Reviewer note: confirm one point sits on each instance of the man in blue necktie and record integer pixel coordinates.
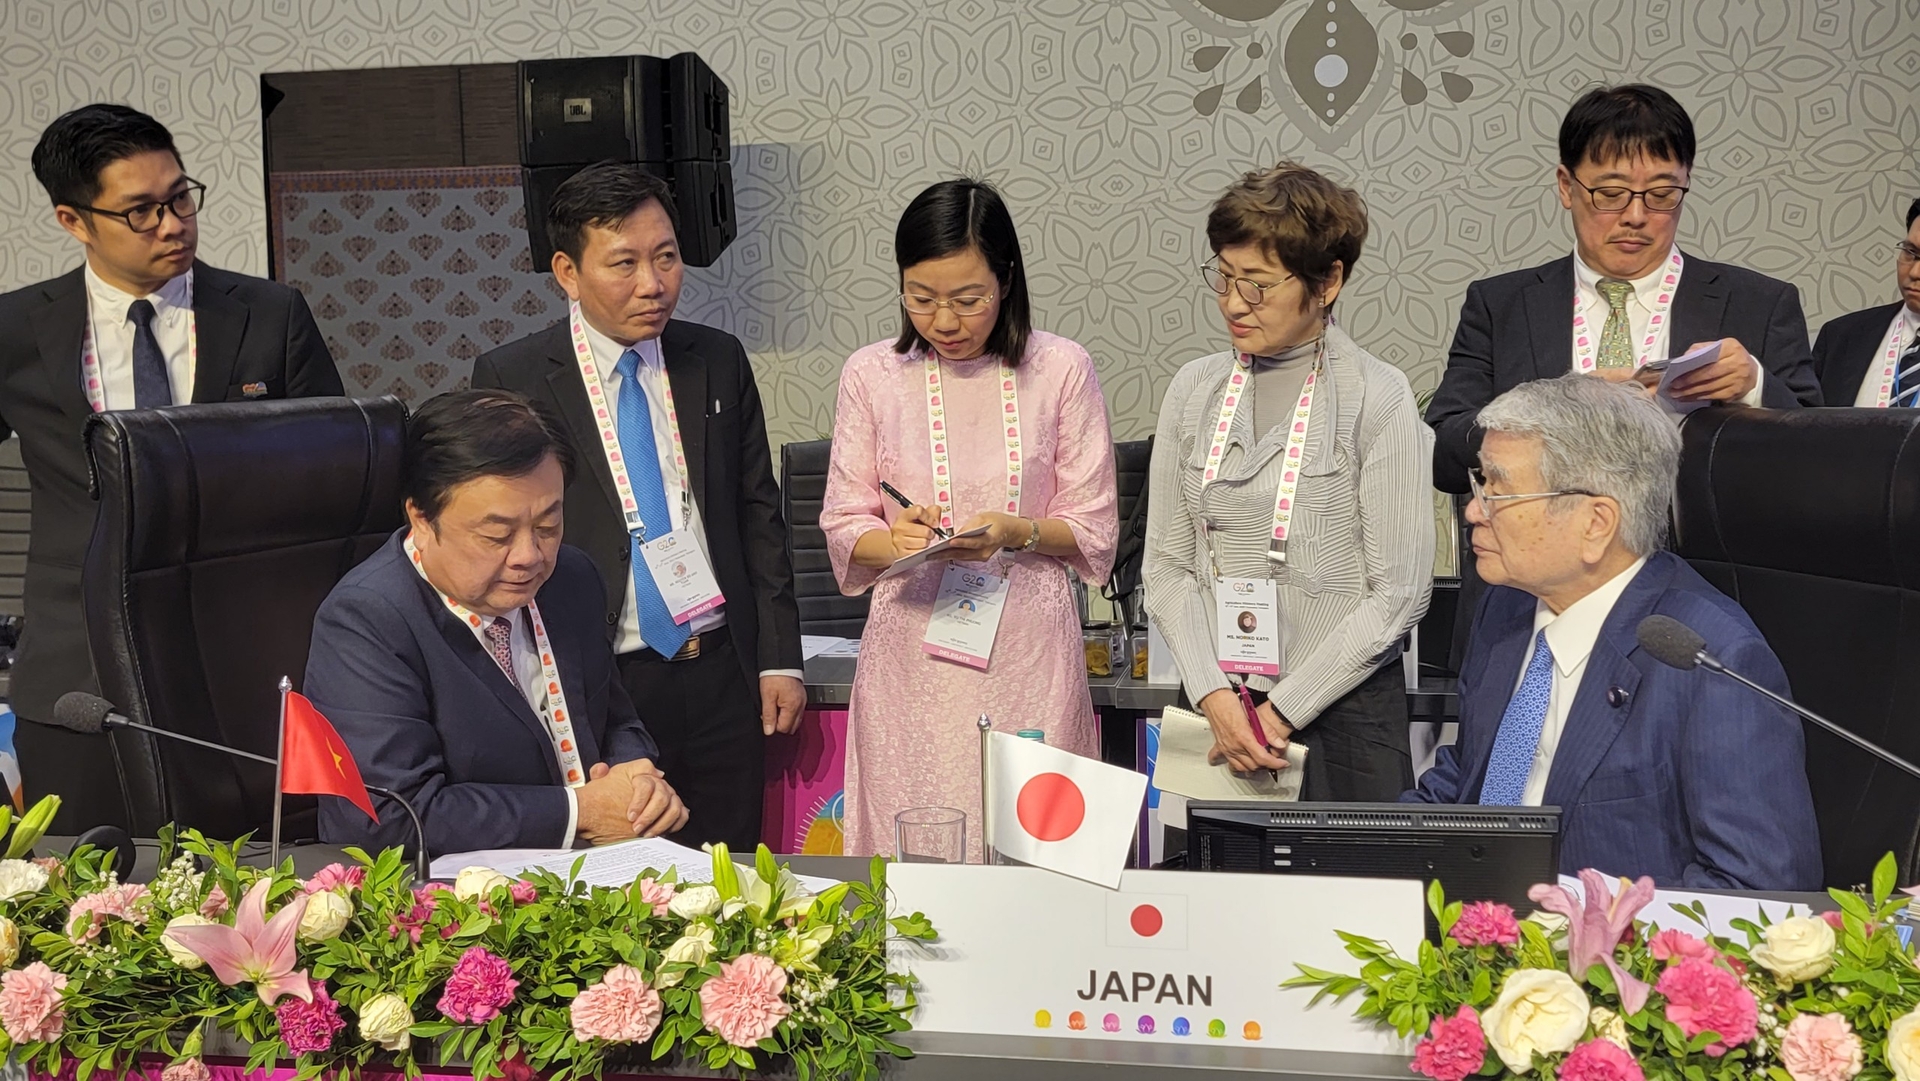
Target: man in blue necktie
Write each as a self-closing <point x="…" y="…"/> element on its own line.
<point x="676" y="499"/>
<point x="1682" y="775"/>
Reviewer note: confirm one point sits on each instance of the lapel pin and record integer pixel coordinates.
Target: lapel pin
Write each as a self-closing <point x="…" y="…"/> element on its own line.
<point x="1617" y="696"/>
<point x="253" y="390"/>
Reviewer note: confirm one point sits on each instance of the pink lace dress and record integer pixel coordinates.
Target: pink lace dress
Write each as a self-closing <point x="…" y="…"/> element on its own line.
<point x="912" y="737"/>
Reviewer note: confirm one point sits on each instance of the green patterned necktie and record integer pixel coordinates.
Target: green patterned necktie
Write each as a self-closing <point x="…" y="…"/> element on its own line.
<point x="1616" y="345"/>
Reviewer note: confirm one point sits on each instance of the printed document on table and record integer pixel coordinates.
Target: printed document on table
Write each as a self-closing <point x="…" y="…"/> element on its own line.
<point x="608" y="865"/>
<point x="814" y="645"/>
<point x="907" y="563"/>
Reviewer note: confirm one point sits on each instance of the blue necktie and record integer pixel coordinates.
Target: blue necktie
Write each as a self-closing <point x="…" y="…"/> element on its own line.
<point x="1906" y="382"/>
<point x="1519" y="736"/>
<point x="642" y="456"/>
<point x="150" y="384"/>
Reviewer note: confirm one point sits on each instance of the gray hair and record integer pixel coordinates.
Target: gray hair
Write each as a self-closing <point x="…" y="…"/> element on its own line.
<point x="1609" y="439"/>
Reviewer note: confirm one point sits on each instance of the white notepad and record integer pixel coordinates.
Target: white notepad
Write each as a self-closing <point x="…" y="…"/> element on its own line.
<point x="1182" y="767"/>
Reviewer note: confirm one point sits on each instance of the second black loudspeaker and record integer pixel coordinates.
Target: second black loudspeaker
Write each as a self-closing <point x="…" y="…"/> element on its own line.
<point x="702" y="196"/>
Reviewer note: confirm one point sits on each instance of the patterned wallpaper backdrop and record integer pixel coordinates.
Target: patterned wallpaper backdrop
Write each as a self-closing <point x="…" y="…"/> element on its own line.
<point x="1109" y="123"/>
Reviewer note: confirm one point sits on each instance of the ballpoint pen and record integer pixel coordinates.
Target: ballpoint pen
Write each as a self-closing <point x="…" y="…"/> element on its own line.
<point x="1253" y="722"/>
<point x="907" y="503"/>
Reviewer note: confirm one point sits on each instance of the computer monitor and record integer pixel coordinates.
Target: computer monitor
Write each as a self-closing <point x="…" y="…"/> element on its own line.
<point x="1478" y="853"/>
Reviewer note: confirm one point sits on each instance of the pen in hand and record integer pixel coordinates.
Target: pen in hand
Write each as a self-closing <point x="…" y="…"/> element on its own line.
<point x="1253" y="721"/>
<point x="894" y="493"/>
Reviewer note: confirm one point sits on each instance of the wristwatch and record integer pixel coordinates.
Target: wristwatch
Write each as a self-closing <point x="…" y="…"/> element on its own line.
<point x="1033" y="539"/>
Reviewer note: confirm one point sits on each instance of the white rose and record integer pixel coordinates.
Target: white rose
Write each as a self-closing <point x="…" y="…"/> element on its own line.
<point x="693" y="948"/>
<point x="21" y="877"/>
<point x="694" y="901"/>
<point x="1539" y="1010"/>
<point x="326" y="916"/>
<point x="476" y="883"/>
<point x="182" y="956"/>
<point x="1903" y="1047"/>
<point x="1551" y="922"/>
<point x="1797" y="948"/>
<point x="9" y="942"/>
<point x="1609" y="1026"/>
<point x="386" y="1020"/>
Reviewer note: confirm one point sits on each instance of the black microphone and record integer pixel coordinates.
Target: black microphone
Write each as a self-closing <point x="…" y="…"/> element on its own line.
<point x="1677" y="645"/>
<point x="89" y="714"/>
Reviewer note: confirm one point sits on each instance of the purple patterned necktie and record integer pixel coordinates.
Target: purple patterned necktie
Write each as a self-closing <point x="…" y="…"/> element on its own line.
<point x="500" y="634"/>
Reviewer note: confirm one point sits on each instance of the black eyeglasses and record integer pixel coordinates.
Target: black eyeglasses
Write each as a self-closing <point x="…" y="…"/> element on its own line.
<point x="1611" y="198"/>
<point x="147" y="217"/>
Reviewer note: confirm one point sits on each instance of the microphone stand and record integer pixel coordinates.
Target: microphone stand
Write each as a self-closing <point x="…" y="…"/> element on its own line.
<point x="419" y="832"/>
<point x="1709" y="661"/>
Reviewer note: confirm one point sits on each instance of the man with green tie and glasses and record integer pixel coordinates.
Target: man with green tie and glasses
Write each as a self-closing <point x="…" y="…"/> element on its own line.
<point x="1627" y="295"/>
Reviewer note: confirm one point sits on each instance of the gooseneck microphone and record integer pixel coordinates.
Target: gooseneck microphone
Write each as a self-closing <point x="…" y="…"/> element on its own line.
<point x="1677" y="645"/>
<point x="89" y="714"/>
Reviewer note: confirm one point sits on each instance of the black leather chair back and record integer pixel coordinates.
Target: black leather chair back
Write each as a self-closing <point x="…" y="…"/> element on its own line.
<point x="803" y="484"/>
<point x="1131" y="463"/>
<point x="221" y="529"/>
<point x="1811" y="520"/>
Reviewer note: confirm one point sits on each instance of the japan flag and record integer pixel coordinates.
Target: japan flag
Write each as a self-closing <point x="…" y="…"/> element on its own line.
<point x="1153" y="921"/>
<point x="1057" y="810"/>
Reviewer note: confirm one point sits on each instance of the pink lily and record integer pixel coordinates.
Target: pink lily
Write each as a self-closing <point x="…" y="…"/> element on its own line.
<point x="1595" y="927"/>
<point x="255" y="949"/>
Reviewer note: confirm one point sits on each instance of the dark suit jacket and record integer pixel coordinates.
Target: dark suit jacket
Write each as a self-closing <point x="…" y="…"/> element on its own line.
<point x="427" y="711"/>
<point x="1846" y="350"/>
<point x="1518" y="327"/>
<point x="728" y="464"/>
<point x="1692" y="779"/>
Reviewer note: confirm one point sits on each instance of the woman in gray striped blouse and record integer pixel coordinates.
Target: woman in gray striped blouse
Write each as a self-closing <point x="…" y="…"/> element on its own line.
<point x="1290" y="489"/>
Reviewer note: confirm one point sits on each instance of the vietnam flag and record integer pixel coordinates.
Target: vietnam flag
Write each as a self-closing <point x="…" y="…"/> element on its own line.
<point x="314" y="759"/>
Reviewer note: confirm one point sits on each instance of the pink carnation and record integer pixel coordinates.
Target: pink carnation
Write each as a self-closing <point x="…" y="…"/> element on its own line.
<point x="743" y="1005"/>
<point x="1821" y="1047"/>
<point x="414" y="920"/>
<point x="216" y="904"/>
<point x="1486" y="923"/>
<point x="336" y="876"/>
<point x="187" y="1069"/>
<point x="119" y="902"/>
<point x="309" y="1027"/>
<point x="656" y="893"/>
<point x="1600" y="1060"/>
<point x="1834" y="919"/>
<point x="1677" y="946"/>
<point x="523" y="892"/>
<point x="621" y="1008"/>
<point x="1454" y="1049"/>
<point x="30" y="1004"/>
<point x="1703" y="997"/>
<point x="479" y="987"/>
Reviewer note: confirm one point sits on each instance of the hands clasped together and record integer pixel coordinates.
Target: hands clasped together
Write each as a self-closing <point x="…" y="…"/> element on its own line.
<point x="632" y="799"/>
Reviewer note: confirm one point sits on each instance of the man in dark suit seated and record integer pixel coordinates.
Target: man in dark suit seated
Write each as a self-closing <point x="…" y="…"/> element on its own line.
<point x="665" y="421"/>
<point x="141" y="323"/>
<point x="1682" y="775"/>
<point x="1871" y="358"/>
<point x="465" y="663"/>
<point x="1626" y="296"/>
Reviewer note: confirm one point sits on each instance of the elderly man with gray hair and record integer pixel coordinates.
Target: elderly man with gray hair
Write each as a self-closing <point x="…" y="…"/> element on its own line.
<point x="1682" y="775"/>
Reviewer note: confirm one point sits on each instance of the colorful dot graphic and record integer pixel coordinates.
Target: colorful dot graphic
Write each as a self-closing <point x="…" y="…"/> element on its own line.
<point x="1076" y="1020"/>
<point x="1111" y="1022"/>
<point x="1042" y="1019"/>
<point x="1216" y="1028"/>
<point x="1181" y="1027"/>
<point x="1146" y="1025"/>
<point x="1251" y="1031"/>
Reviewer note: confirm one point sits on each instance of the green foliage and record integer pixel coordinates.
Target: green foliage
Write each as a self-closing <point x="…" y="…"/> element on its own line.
<point x="126" y="995"/>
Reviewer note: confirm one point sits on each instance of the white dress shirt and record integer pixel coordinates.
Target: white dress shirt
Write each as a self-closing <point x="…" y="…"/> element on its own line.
<point x="1905" y="323"/>
<point x="1570" y="635"/>
<point x="531" y="680"/>
<point x="113" y="336"/>
<point x="1646" y="293"/>
<point x="653" y="381"/>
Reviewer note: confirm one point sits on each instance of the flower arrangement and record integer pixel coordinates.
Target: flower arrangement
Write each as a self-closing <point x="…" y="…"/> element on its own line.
<point x="1585" y="991"/>
<point x="507" y="975"/>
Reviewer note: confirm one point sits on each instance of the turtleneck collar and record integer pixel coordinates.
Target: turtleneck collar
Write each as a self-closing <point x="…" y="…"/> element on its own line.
<point x="1306" y="350"/>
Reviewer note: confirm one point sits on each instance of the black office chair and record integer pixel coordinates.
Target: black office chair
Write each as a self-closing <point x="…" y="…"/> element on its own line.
<point x="221" y="529"/>
<point x="1811" y="520"/>
<point x="803" y="484"/>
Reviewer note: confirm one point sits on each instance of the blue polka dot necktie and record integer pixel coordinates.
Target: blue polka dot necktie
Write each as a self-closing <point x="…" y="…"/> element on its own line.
<point x="642" y="454"/>
<point x="1519" y="737"/>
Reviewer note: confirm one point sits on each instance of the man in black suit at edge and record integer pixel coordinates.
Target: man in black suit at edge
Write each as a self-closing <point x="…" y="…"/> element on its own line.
<point x="1871" y="358"/>
<point x="1626" y="295"/>
<point x="676" y="499"/>
<point x="141" y="324"/>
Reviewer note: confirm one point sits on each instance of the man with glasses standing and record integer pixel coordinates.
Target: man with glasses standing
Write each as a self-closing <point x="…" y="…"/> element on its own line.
<point x="140" y="324"/>
<point x="1871" y="358"/>
<point x="1627" y="295"/>
<point x="1684" y="776"/>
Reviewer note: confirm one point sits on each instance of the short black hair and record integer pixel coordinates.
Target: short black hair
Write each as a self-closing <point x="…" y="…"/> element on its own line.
<point x="469" y="434"/>
<point x="1611" y="122"/>
<point x="78" y="145"/>
<point x="602" y="195"/>
<point x="1913" y="212"/>
<point x="953" y="216"/>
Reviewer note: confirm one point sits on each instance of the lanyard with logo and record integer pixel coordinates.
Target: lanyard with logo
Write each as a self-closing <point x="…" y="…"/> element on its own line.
<point x="1586" y="340"/>
<point x="1283" y="494"/>
<point x="553" y="706"/>
<point x="96" y="382"/>
<point x="1890" y="358"/>
<point x="967" y="610"/>
<point x="673" y="556"/>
